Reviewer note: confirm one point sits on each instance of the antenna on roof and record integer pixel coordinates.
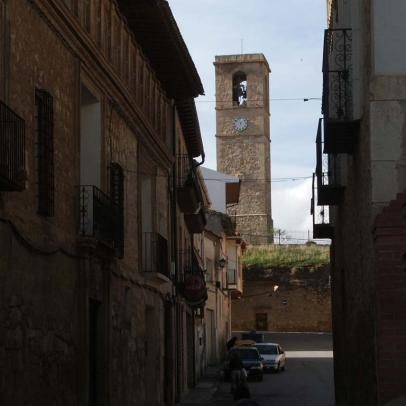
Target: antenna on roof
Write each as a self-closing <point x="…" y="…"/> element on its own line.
<point x="242" y="46"/>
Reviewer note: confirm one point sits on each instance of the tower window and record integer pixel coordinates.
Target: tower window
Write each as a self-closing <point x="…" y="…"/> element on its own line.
<point x="239" y="89"/>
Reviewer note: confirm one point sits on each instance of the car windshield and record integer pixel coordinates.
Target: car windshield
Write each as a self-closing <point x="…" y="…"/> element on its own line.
<point x="268" y="349"/>
<point x="247" y="353"/>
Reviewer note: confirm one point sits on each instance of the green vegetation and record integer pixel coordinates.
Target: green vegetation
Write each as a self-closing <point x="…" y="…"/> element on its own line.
<point x="286" y="255"/>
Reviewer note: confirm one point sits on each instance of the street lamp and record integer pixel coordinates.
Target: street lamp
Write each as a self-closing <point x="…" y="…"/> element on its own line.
<point x="311" y="98"/>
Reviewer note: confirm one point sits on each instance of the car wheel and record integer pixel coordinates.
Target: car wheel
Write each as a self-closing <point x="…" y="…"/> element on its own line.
<point x="278" y="368"/>
<point x="283" y="368"/>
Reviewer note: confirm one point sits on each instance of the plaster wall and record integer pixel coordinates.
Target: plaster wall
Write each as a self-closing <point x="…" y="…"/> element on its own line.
<point x="375" y="174"/>
<point x="388" y="150"/>
<point x="389" y="37"/>
<point x="218" y="300"/>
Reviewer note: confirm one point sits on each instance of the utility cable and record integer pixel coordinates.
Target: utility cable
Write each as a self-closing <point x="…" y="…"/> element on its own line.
<point x="285" y="179"/>
<point x="303" y="99"/>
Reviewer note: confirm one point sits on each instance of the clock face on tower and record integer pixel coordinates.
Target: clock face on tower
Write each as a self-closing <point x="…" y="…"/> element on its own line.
<point x="240" y="123"/>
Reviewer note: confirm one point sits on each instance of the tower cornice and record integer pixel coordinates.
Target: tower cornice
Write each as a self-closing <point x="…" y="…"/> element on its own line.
<point x="241" y="58"/>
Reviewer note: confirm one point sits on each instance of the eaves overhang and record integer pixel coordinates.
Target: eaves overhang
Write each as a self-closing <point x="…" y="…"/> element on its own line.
<point x="155" y="29"/>
<point x="189" y="122"/>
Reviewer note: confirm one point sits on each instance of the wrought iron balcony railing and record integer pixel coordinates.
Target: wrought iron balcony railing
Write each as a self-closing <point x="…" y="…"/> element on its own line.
<point x="188" y="191"/>
<point x="341" y="130"/>
<point x="185" y="261"/>
<point x="337" y="74"/>
<point x="183" y="169"/>
<point x="12" y="150"/>
<point x="189" y="195"/>
<point x="329" y="189"/>
<point x="99" y="216"/>
<point x="321" y="216"/>
<point x="155" y="253"/>
<point x="196" y="221"/>
<point x="231" y="276"/>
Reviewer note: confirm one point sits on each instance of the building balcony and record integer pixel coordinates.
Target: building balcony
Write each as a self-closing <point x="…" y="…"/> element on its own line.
<point x="329" y="190"/>
<point x="100" y="218"/>
<point x="191" y="281"/>
<point x="12" y="150"/>
<point x="155" y="254"/>
<point x="196" y="222"/>
<point x="188" y="192"/>
<point x="337" y="74"/>
<point x="234" y="279"/>
<point x="341" y="130"/>
<point x="184" y="263"/>
<point x="340" y="136"/>
<point x="321" y="222"/>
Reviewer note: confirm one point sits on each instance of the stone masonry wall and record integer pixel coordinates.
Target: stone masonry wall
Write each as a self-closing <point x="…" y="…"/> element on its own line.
<point x="246" y="154"/>
<point x="300" y="303"/>
<point x="46" y="282"/>
<point x="39" y="346"/>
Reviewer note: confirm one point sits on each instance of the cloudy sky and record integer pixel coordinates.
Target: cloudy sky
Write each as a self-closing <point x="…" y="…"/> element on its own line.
<point x="290" y="34"/>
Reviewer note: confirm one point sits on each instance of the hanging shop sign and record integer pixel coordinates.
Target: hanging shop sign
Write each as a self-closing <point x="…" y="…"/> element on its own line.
<point x="194" y="290"/>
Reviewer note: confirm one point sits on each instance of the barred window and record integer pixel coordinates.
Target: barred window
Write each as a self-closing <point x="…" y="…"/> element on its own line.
<point x="45" y="152"/>
<point x="117" y="197"/>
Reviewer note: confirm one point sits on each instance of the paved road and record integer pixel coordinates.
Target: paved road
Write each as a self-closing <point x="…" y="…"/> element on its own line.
<point x="307" y="380"/>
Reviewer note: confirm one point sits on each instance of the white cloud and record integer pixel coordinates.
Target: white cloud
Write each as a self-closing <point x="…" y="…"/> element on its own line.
<point x="291" y="206"/>
<point x="290" y="35"/>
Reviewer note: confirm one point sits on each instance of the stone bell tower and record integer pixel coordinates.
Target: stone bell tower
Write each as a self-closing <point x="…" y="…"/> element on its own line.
<point x="243" y="140"/>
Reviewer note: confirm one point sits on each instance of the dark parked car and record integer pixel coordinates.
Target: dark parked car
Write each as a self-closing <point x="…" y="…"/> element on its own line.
<point x="251" y="361"/>
<point x="253" y="335"/>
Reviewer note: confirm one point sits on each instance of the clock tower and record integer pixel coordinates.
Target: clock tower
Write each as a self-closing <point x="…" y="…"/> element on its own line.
<point x="243" y="140"/>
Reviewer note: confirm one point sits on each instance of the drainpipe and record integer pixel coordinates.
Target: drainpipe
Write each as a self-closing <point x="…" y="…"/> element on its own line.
<point x="193" y="313"/>
<point x="202" y="162"/>
<point x="174" y="211"/>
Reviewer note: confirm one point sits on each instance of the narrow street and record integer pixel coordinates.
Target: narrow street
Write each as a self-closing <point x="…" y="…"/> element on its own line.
<point x="307" y="380"/>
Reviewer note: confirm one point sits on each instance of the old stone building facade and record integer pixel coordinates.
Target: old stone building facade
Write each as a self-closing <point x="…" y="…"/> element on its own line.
<point x="95" y="242"/>
<point x="284" y="299"/>
<point x="358" y="195"/>
<point x="243" y="139"/>
<point x="222" y="249"/>
<point x="223" y="259"/>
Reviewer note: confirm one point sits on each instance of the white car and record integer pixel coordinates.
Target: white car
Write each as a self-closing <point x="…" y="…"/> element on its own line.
<point x="273" y="356"/>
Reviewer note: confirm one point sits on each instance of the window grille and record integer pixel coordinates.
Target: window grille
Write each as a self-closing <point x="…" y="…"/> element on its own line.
<point x="45" y="152"/>
<point x="117" y="197"/>
<point x="155" y="253"/>
<point x="12" y="150"/>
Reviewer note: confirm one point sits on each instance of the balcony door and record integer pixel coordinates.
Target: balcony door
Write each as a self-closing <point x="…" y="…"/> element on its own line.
<point x="90" y="154"/>
<point x="147" y="226"/>
<point x="146" y="204"/>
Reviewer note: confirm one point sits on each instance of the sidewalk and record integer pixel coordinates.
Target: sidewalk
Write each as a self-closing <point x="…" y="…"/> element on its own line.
<point x="205" y="393"/>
